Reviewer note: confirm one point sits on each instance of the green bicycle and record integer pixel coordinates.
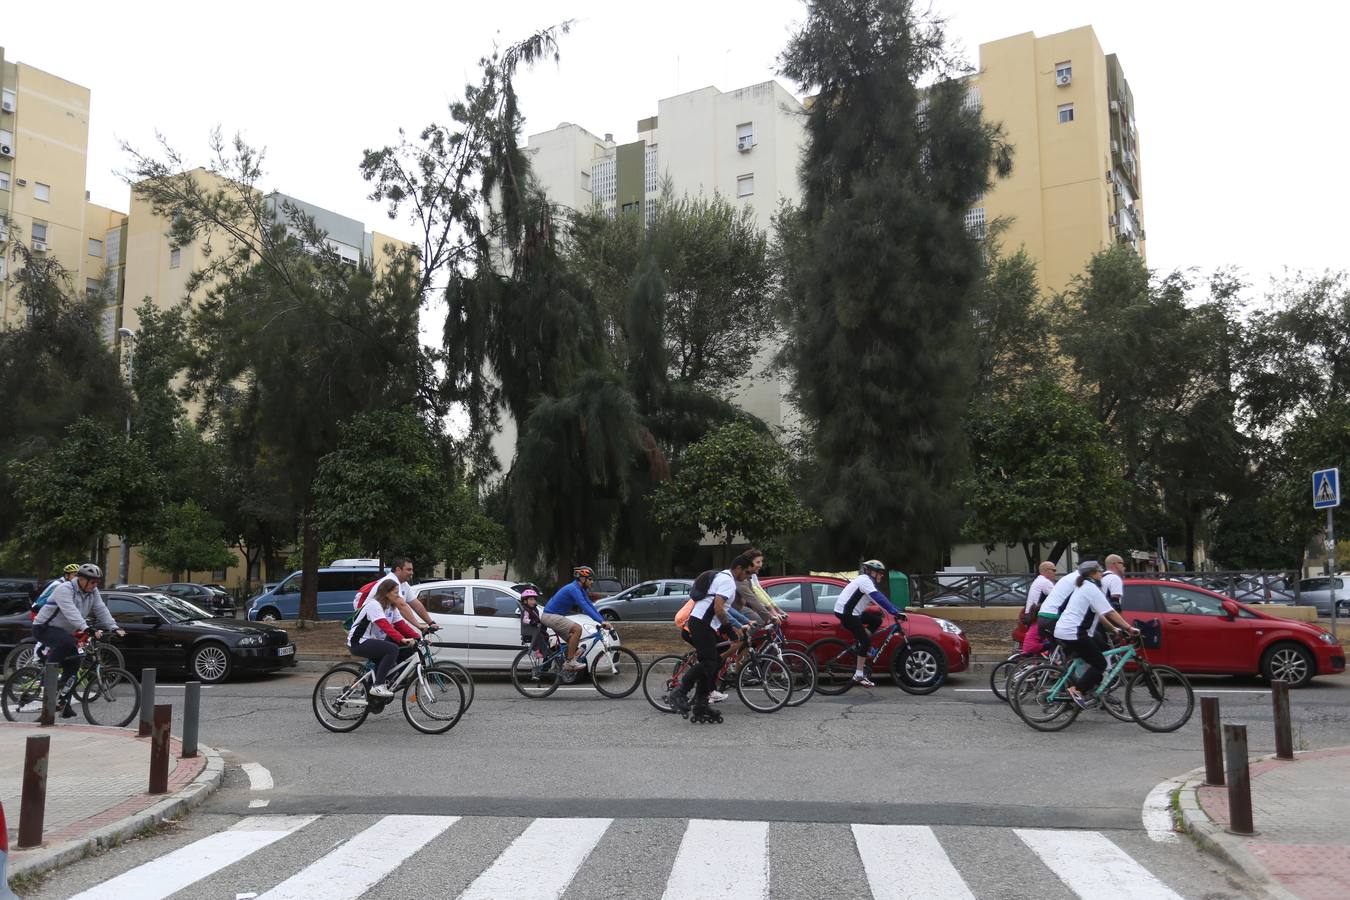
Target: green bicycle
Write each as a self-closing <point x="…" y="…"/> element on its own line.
<point x="1158" y="698"/>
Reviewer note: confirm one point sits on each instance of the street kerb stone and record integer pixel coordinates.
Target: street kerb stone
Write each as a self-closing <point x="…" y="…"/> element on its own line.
<point x="102" y="801"/>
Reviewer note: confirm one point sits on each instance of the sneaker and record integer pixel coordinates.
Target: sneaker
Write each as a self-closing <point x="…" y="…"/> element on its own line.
<point x="716" y="697"/>
<point x="67" y="712"/>
<point x="863" y="681"/>
<point x="1080" y="701"/>
<point x="574" y="664"/>
<point x="380" y="692"/>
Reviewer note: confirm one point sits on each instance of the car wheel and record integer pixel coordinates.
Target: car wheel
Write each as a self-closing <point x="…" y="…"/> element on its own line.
<point x="1289" y="663"/>
<point x="609" y="615"/>
<point x="211" y="663"/>
<point x="269" y="614"/>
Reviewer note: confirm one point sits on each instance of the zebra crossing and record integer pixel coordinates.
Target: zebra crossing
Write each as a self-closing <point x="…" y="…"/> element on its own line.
<point x="292" y="857"/>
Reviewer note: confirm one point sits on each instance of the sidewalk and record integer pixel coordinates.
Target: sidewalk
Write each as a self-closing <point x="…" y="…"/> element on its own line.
<point x="96" y="789"/>
<point x="1299" y="807"/>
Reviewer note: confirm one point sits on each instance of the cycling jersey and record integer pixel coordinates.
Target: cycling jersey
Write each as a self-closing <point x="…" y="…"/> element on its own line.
<point x="568" y="596"/>
<point x="705" y="610"/>
<point x="1055" y="600"/>
<point x="1085" y="601"/>
<point x="860" y="593"/>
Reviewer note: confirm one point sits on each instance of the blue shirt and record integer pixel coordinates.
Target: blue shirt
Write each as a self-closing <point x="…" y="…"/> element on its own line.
<point x="568" y="596"/>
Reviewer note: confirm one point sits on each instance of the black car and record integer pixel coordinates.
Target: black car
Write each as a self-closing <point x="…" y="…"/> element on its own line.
<point x="17" y="594"/>
<point x="168" y="633"/>
<point x="216" y="599"/>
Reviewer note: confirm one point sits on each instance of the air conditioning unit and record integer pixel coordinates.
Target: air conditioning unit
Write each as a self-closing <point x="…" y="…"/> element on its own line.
<point x="1115" y="146"/>
<point x="39" y="246"/>
<point x="1111" y="220"/>
<point x="745" y="142"/>
<point x="1062" y="80"/>
<point x="7" y="105"/>
<point x="6" y="150"/>
<point x="1115" y="106"/>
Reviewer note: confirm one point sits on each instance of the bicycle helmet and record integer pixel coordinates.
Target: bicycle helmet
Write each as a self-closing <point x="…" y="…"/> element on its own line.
<point x="1087" y="567"/>
<point x="89" y="570"/>
<point x="873" y="565"/>
<point x="583" y="572"/>
<point x="71" y="569"/>
<point x="529" y="592"/>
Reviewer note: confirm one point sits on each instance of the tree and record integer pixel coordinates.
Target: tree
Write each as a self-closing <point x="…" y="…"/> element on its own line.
<point x="1042" y="473"/>
<point x="472" y="537"/>
<point x="189" y="539"/>
<point x="1012" y="327"/>
<point x="734" y="481"/>
<point x="885" y="274"/>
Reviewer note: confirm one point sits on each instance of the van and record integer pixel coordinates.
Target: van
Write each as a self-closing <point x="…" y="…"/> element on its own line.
<point x="337" y="587"/>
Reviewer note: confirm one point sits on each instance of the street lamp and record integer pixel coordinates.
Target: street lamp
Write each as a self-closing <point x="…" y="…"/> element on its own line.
<point x="124" y="557"/>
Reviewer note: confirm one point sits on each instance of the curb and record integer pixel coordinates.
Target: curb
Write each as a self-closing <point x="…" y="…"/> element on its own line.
<point x="173" y="805"/>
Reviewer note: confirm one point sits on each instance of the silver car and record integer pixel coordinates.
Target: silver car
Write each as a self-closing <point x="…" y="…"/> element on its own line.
<point x="1317" y="592"/>
<point x="650" y="601"/>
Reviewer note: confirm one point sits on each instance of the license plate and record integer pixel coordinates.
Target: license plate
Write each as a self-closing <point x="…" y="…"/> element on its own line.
<point x="285" y="651"/>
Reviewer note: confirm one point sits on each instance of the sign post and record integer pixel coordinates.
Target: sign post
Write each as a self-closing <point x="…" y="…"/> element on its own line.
<point x="1327" y="495"/>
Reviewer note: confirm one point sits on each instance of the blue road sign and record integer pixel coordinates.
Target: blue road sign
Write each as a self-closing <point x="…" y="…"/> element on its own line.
<point x="1326" y="488"/>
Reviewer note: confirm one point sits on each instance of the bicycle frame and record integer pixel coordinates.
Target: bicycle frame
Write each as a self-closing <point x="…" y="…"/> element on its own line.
<point x="1117" y="659"/>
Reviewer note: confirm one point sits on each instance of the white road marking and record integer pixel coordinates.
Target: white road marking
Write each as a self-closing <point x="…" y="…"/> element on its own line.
<point x="1200" y="690"/>
<point x="719" y="859"/>
<point x="188" y="865"/>
<point x="1092" y="866"/>
<point x="258" y="804"/>
<point x="358" y="864"/>
<point x="973" y="690"/>
<point x="259" y="779"/>
<point x="1158" y="812"/>
<point x="907" y="861"/>
<point x="541" y="863"/>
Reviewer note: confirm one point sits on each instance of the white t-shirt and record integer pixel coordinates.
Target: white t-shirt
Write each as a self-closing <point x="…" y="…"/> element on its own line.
<point x="1041" y="587"/>
<point x="1112" y="586"/>
<point x="1055" y="600"/>
<point x="1086" y="600"/>
<point x="863" y="584"/>
<point x="724" y="586"/>
<point x="404" y="591"/>
<point x="371" y="612"/>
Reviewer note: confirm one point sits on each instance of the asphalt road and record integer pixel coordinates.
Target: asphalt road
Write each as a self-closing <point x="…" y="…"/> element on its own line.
<point x="958" y="762"/>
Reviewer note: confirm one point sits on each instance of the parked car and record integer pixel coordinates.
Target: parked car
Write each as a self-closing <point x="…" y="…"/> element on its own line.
<point x="605" y="587"/>
<point x="650" y="601"/>
<point x="18" y="594"/>
<point x="809" y="603"/>
<point x="1317" y="592"/>
<point x="480" y="621"/>
<point x="169" y="633"/>
<point x="218" y="600"/>
<point x="337" y="586"/>
<point x="133" y="588"/>
<point x="1206" y="633"/>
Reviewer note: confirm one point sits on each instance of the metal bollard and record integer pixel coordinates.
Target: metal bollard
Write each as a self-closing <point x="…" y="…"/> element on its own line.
<point x="48" y="714"/>
<point x="147" y="701"/>
<point x="159" y="749"/>
<point x="192" y="701"/>
<point x="33" y="802"/>
<point x="1239" y="780"/>
<point x="1284" y="732"/>
<point x="1209" y="728"/>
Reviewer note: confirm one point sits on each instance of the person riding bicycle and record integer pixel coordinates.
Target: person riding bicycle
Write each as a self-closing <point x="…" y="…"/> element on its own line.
<point x="405" y="607"/>
<point x="65" y="615"/>
<point x="1053" y="604"/>
<point x="1040" y="588"/>
<point x="576" y="593"/>
<point x="852" y="611"/>
<point x="705" y="625"/>
<point x="1071" y="629"/>
<point x="531" y="623"/>
<point x="67" y="574"/>
<point x="375" y="636"/>
<point x="751" y="600"/>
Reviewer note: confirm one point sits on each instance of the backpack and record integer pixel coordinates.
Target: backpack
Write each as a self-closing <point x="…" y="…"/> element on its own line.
<point x="364" y="592"/>
<point x="353" y="638"/>
<point x="702" y="584"/>
<point x="682" y="616"/>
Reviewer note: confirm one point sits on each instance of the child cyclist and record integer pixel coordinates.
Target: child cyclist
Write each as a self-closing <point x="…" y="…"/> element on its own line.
<point x="852" y="611"/>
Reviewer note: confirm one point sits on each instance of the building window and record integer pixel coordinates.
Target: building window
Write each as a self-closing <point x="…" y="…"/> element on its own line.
<point x="973" y="101"/>
<point x="109" y="324"/>
<point x="175" y="257"/>
<point x="603" y="185"/>
<point x="4" y="181"/>
<point x="7" y="138"/>
<point x="975" y="223"/>
<point x="96" y="247"/>
<point x="39" y="231"/>
<point x="114" y="245"/>
<point x="745" y="185"/>
<point x="2" y="268"/>
<point x="650" y="172"/>
<point x="585" y="181"/>
<point x="1063" y="72"/>
<point x="7" y="99"/>
<point x="745" y="135"/>
<point x="42" y="192"/>
<point x="92" y="289"/>
<point x="1066" y="113"/>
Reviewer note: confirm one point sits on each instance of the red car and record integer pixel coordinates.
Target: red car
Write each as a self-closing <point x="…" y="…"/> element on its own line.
<point x="809" y="602"/>
<point x="1204" y="633"/>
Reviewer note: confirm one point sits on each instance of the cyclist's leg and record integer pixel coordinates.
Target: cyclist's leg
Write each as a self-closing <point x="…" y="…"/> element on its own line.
<point x="871" y="620"/>
<point x="861" y="639"/>
<point x="1085" y="648"/>
<point x="709" y="660"/>
<point x="61" y="644"/>
<point x="385" y="654"/>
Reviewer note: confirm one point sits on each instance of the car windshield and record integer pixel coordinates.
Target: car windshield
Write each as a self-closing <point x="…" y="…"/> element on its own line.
<point x="176" y="609"/>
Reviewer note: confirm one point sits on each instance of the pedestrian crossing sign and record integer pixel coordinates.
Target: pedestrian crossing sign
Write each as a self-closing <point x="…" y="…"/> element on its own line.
<point x="1326" y="488"/>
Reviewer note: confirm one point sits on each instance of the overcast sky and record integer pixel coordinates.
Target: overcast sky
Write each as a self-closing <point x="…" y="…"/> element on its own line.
<point x="1241" y="146"/>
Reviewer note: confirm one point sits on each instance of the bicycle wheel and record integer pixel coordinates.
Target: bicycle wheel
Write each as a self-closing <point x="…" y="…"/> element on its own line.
<point x="918" y="668"/>
<point x="1113" y="700"/>
<point x="1037" y="701"/>
<point x="340" y="701"/>
<point x="835" y="665"/>
<point x="803" y="676"/>
<point x="764" y="684"/>
<point x="462" y="675"/>
<point x="21" y="657"/>
<point x="999" y="675"/>
<point x="111" y="697"/>
<point x="1159" y="698"/>
<point x="23" y="695"/>
<point x="534" y="679"/>
<point x="661" y="677"/>
<point x="616" y="672"/>
<point x="434" y="700"/>
<point x="109" y="657"/>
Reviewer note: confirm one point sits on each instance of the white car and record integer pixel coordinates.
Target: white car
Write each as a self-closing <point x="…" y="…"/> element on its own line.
<point x="480" y="621"/>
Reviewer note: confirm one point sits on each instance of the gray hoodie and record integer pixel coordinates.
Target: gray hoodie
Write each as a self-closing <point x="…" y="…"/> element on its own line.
<point x="69" y="607"/>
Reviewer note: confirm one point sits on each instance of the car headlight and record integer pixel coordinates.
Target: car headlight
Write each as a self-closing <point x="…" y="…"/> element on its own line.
<point x="1327" y="638"/>
<point x="948" y="626"/>
<point x="251" y="640"/>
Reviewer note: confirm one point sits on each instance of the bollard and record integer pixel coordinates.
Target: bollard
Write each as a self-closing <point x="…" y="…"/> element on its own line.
<point x="1209" y="729"/>
<point x="48" y="714"/>
<point x="33" y="801"/>
<point x="159" y="749"/>
<point x="1239" y="780"/>
<point x="147" y="701"/>
<point x="1284" y="732"/>
<point x="192" y="701"/>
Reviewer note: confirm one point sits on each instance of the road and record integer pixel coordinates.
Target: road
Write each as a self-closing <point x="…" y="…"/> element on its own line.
<point x="837" y="797"/>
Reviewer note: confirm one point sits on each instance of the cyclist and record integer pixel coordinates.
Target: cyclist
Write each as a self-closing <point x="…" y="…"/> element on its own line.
<point x="1071" y="628"/>
<point x="852" y="611"/>
<point x="375" y="636"/>
<point x="1040" y="588"/>
<point x="66" y="575"/>
<point x="530" y="622"/>
<point x="576" y="593"/>
<point x="1053" y="604"/>
<point x="750" y="596"/>
<point x="705" y="623"/>
<point x="63" y="616"/>
<point x="404" y="603"/>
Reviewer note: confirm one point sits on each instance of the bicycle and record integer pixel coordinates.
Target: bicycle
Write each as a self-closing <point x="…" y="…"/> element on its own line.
<point x="796" y="656"/>
<point x="433" y="697"/>
<point x="29" y="650"/>
<point x="615" y="672"/>
<point x="1113" y="705"/>
<point x="916" y="668"/>
<point x="1040" y="696"/>
<point x="109" y="695"/>
<point x="764" y="680"/>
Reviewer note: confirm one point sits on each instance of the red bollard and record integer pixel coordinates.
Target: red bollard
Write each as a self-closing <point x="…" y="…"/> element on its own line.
<point x="159" y="749"/>
<point x="33" y="803"/>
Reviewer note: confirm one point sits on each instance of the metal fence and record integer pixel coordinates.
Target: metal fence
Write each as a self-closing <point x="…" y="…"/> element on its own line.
<point x="982" y="589"/>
